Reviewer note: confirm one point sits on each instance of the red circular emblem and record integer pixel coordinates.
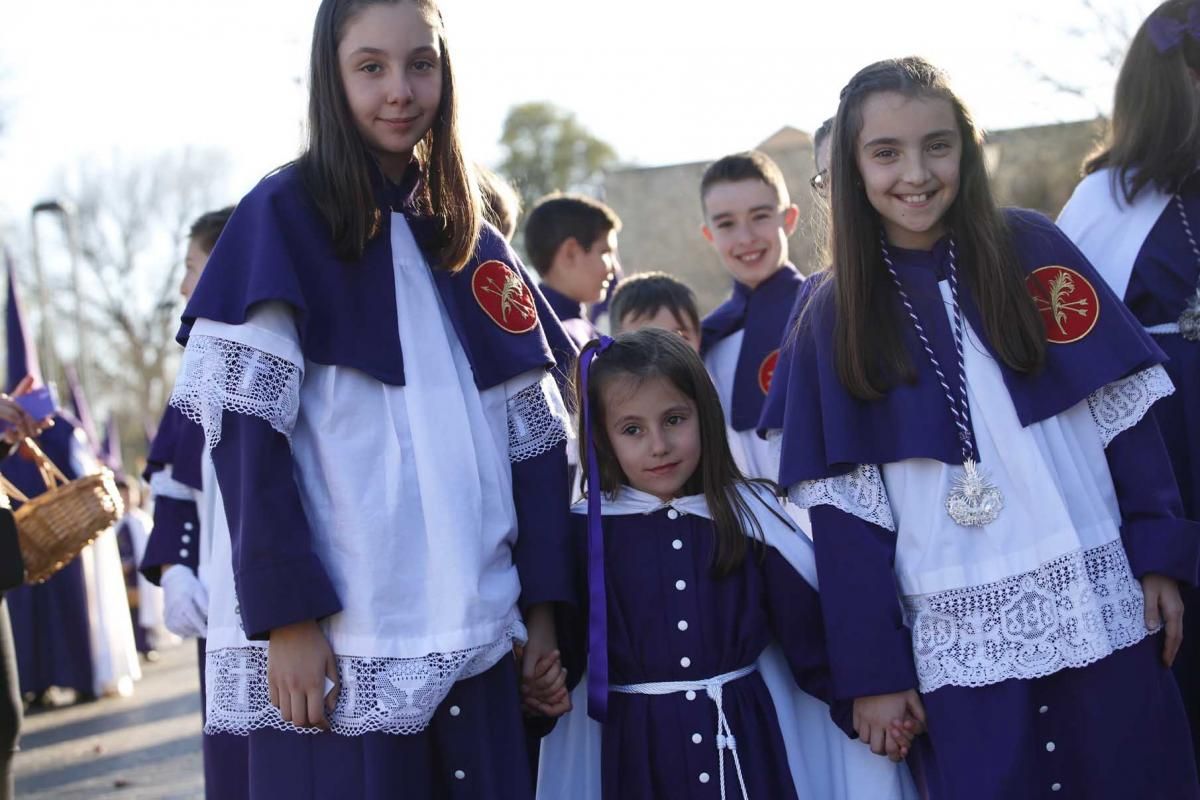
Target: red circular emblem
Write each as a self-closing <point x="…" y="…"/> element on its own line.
<point x="766" y="371"/>
<point x="1069" y="304"/>
<point x="504" y="297"/>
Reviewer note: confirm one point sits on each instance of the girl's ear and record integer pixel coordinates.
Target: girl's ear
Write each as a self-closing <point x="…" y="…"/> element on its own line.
<point x="791" y="218"/>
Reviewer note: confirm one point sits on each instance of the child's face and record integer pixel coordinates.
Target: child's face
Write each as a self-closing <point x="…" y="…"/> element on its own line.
<point x="588" y="269"/>
<point x="391" y="69"/>
<point x="663" y="319"/>
<point x="748" y="227"/>
<point x="908" y="153"/>
<point x="193" y="267"/>
<point x="654" y="432"/>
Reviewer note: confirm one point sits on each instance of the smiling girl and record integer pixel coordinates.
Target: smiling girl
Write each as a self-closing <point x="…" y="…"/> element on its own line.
<point x="372" y="372"/>
<point x="997" y="530"/>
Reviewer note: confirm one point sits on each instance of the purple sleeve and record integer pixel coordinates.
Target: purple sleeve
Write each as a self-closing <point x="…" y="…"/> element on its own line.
<point x="1157" y="538"/>
<point x="541" y="493"/>
<point x="173" y="539"/>
<point x="278" y="577"/>
<point x="796" y="623"/>
<point x="870" y="649"/>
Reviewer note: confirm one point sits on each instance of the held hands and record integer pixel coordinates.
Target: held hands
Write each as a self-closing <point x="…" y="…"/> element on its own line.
<point x="889" y="722"/>
<point x="543" y="678"/>
<point x="1164" y="607"/>
<point x="299" y="659"/>
<point x="185" y="602"/>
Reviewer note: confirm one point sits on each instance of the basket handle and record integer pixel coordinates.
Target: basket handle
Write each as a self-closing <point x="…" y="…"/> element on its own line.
<point x="50" y="471"/>
<point x="12" y="491"/>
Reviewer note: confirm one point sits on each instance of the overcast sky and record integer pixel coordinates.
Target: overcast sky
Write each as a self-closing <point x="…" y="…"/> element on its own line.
<point x="662" y="81"/>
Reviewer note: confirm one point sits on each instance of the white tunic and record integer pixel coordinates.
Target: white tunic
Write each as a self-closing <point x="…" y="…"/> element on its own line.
<point x="408" y="494"/>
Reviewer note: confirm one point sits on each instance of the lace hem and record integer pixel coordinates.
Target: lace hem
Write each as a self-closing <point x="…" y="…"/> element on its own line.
<point x="537" y="420"/>
<point x="1070" y="612"/>
<point x="219" y="375"/>
<point x="398" y="696"/>
<point x="859" y="492"/>
<point x="163" y="485"/>
<point x="1122" y="404"/>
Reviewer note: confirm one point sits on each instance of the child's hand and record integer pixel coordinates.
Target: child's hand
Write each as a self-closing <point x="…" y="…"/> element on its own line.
<point x="299" y="659"/>
<point x="1164" y="607"/>
<point x="545" y="691"/>
<point x="874" y="716"/>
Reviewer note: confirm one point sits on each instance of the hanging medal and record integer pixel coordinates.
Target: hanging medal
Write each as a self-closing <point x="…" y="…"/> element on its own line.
<point x="974" y="501"/>
<point x="1189" y="320"/>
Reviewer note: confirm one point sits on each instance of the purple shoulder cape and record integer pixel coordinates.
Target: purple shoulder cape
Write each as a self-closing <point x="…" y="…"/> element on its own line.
<point x="763" y="312"/>
<point x="827" y="431"/>
<point x="178" y="443"/>
<point x="277" y="247"/>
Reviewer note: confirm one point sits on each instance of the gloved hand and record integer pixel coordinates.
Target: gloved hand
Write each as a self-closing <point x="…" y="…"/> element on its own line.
<point x="185" y="602"/>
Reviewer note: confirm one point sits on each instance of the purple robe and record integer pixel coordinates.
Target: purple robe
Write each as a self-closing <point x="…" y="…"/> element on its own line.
<point x="570" y="313"/>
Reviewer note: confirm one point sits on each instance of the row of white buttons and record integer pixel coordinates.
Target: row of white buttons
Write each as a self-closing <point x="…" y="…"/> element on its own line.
<point x="1055" y="787"/>
<point x="458" y="773"/>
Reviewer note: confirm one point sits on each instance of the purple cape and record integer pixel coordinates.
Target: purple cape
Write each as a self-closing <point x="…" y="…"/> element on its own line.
<point x="179" y="443"/>
<point x="277" y="247"/>
<point x="827" y="431"/>
<point x="764" y="313"/>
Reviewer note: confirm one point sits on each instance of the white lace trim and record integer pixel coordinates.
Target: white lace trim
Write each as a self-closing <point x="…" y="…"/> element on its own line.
<point x="398" y="696"/>
<point x="859" y="492"/>
<point x="1122" y="404"/>
<point x="1069" y="612"/>
<point x="537" y="420"/>
<point x="219" y="375"/>
<point x="162" y="484"/>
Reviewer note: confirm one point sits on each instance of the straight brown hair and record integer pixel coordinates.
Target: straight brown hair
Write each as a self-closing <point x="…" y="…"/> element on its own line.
<point x="339" y="171"/>
<point x="1154" y="136"/>
<point x="653" y="353"/>
<point x="869" y="350"/>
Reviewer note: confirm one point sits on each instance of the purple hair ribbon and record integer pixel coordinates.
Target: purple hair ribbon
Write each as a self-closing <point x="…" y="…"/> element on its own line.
<point x="597" y="662"/>
<point x="1166" y="33"/>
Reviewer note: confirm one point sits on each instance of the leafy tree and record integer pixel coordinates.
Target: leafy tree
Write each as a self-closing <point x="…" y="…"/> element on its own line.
<point x="546" y="149"/>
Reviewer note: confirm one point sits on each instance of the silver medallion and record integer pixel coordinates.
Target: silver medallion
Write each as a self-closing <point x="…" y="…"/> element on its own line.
<point x="1189" y="320"/>
<point x="974" y="501"/>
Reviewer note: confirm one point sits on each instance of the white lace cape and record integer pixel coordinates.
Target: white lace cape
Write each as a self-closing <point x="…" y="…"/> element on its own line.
<point x="1071" y="611"/>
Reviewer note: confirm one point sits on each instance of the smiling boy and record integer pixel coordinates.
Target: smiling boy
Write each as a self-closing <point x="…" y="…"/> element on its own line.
<point x="748" y="216"/>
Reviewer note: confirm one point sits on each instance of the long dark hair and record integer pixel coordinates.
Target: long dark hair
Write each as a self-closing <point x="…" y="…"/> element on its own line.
<point x="338" y="169"/>
<point x="653" y="353"/>
<point x="1154" y="138"/>
<point x="870" y="353"/>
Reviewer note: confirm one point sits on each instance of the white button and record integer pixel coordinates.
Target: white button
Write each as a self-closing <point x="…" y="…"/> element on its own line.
<point x="185" y="539"/>
<point x="704" y="777"/>
<point x="697" y="738"/>
<point x="1049" y="747"/>
<point x="680" y="585"/>
<point x="682" y="625"/>
<point x="460" y="774"/>
<point x="685" y="662"/>
<point x="187" y="526"/>
<point x="455" y="711"/>
<point x="672" y="514"/>
<point x="677" y="544"/>
<point x="689" y="694"/>
<point x="1043" y="709"/>
<point x="1057" y="787"/>
<point x="183" y="553"/>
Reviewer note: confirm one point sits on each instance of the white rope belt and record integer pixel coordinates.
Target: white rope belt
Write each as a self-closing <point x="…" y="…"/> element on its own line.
<point x="1164" y="329"/>
<point x="713" y="687"/>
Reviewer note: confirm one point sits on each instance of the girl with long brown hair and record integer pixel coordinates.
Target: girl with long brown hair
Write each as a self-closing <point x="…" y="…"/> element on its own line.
<point x="1135" y="216"/>
<point x="373" y="373"/>
<point x="997" y="531"/>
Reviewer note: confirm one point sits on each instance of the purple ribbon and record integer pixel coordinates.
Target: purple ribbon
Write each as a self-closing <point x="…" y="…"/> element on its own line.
<point x="1166" y="33"/>
<point x="597" y="688"/>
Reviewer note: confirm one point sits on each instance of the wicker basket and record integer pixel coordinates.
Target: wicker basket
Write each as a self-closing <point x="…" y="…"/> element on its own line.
<point x="55" y="526"/>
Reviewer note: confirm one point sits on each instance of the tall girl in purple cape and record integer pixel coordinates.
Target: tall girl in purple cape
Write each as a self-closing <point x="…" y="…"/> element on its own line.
<point x="692" y="570"/>
<point x="1136" y="216"/>
<point x="372" y="370"/>
<point x="998" y="532"/>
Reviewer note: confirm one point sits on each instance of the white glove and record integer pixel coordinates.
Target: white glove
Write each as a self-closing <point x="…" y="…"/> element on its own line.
<point x="185" y="602"/>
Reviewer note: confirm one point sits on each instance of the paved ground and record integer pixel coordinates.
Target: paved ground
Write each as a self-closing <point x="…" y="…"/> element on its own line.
<point x="145" y="747"/>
